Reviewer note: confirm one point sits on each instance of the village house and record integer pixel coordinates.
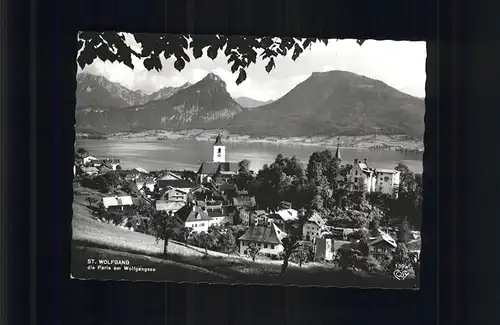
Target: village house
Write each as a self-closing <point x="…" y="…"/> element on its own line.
<point x="132" y="175"/>
<point x="268" y="238"/>
<point x="368" y="179"/>
<point x="183" y="185"/>
<point x="218" y="167"/>
<point x="141" y="170"/>
<point x="121" y="204"/>
<point x="175" y="195"/>
<point x="195" y="217"/>
<point x="313" y="228"/>
<point x="88" y="159"/>
<point x="245" y="202"/>
<point x="324" y="249"/>
<point x="257" y="217"/>
<point x="162" y="205"/>
<point x="169" y="176"/>
<point x="149" y="183"/>
<point x="381" y="245"/>
<point x="283" y="217"/>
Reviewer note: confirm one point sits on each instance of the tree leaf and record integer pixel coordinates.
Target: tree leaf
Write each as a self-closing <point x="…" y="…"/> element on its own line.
<point x="179" y="64"/>
<point x="270" y="65"/>
<point x="296" y="52"/>
<point x="235" y="66"/>
<point x="241" y="77"/>
<point x="212" y="52"/>
<point x="197" y="52"/>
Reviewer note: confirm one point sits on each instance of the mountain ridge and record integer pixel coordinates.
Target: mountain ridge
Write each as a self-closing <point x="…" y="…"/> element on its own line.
<point x="325" y="104"/>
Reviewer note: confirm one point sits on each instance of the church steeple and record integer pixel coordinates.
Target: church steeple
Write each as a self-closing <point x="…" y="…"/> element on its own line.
<point x="337" y="153"/>
<point x="219" y="151"/>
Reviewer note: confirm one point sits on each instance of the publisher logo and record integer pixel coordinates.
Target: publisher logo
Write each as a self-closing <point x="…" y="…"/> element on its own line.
<point x="401" y="272"/>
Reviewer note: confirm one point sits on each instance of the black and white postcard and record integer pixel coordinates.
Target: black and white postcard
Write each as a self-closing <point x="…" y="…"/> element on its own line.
<point x="248" y="160"/>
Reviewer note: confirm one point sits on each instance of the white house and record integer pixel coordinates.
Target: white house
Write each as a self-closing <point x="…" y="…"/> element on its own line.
<point x="175" y="195"/>
<point x="313" y="227"/>
<point x="118" y="203"/>
<point x="268" y="238"/>
<point x="197" y="219"/>
<point x="88" y="159"/>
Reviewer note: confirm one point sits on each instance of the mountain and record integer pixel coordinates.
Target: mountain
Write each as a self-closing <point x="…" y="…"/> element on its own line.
<point x="326" y="104"/>
<point x="250" y="102"/>
<point x="336" y="103"/>
<point x="205" y="105"/>
<point x="97" y="91"/>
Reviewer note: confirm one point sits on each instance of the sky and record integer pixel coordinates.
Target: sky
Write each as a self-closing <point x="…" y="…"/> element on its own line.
<point x="400" y="64"/>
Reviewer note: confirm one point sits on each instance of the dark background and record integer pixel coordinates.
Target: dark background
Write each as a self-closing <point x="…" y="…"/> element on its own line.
<point x="458" y="268"/>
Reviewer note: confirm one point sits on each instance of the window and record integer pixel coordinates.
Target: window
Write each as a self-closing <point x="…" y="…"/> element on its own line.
<point x="219" y="150"/>
<point x="242" y="243"/>
<point x="386" y="179"/>
<point x="201" y="225"/>
<point x="356" y="173"/>
<point x="265" y="246"/>
<point x="355" y="179"/>
<point x="272" y="246"/>
<point x="380" y="188"/>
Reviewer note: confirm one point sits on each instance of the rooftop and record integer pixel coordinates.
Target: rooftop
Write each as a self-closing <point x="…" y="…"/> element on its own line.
<point x="264" y="234"/>
<point x="117" y="201"/>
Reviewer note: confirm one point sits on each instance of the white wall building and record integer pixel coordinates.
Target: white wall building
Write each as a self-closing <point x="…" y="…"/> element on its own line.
<point x="373" y="179"/>
<point x="268" y="238"/>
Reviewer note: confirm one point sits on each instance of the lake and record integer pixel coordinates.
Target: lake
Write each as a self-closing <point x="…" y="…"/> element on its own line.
<point x="188" y="154"/>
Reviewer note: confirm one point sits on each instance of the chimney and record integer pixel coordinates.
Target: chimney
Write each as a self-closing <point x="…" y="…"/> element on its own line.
<point x="194" y="207"/>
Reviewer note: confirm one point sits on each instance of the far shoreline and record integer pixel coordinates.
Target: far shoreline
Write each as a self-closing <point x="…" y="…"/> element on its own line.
<point x="388" y="142"/>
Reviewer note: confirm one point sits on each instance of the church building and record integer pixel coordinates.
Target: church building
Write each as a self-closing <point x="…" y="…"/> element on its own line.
<point x="217" y="168"/>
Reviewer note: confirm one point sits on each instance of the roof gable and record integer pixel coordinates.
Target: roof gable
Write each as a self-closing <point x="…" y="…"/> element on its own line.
<point x="263" y="234"/>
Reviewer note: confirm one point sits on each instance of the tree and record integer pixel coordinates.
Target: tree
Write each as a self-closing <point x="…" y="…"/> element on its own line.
<point x="301" y="254"/>
<point x="401" y="258"/>
<point x="406" y="178"/>
<point x="252" y="251"/>
<point x="81" y="152"/>
<point x="240" y="51"/>
<point x="404" y="232"/>
<point x="244" y="166"/>
<point x="374" y="228"/>
<point x="228" y="242"/>
<point x="348" y="258"/>
<point x="207" y="240"/>
<point x="184" y="233"/>
<point x="290" y="245"/>
<point x="164" y="226"/>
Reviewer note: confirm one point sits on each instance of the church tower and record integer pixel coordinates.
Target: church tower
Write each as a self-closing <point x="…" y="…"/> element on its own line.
<point x="338" y="158"/>
<point x="219" y="150"/>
